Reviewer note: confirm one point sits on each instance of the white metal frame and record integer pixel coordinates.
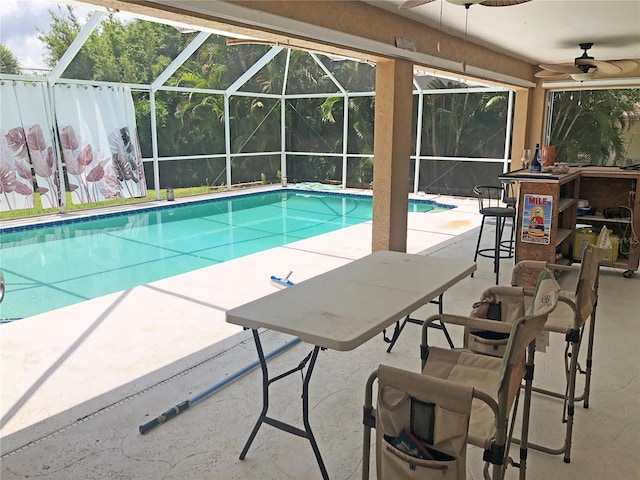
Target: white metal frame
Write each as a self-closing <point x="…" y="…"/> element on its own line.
<point x="233" y="90"/>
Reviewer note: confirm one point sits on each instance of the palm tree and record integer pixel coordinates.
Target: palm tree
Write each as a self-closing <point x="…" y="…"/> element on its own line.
<point x="8" y="61"/>
<point x="587" y="126"/>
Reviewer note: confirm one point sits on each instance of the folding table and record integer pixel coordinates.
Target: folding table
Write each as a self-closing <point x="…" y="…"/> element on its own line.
<point x="342" y="309"/>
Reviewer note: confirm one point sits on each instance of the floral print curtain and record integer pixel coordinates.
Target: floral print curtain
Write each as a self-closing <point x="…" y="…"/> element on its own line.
<point x="99" y="142"/>
<point x="26" y="141"/>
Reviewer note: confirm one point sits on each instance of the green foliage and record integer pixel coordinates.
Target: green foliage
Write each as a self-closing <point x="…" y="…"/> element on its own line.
<point x="116" y="51"/>
<point x="8" y="61"/>
<point x="587" y="126"/>
<point x="71" y="207"/>
<point x="463" y="124"/>
<point x="456" y="124"/>
<point x="194" y="123"/>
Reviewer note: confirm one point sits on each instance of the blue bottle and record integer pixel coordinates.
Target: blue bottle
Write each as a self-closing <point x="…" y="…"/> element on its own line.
<point x="536" y="166"/>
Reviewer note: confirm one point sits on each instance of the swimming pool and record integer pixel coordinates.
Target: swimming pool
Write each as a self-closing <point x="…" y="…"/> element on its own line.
<point x="60" y="263"/>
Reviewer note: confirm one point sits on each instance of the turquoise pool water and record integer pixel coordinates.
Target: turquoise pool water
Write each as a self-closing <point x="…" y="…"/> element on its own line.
<point x="62" y="263"/>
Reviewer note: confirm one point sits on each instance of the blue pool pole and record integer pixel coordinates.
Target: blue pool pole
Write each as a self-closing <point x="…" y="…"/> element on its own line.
<point x="181" y="407"/>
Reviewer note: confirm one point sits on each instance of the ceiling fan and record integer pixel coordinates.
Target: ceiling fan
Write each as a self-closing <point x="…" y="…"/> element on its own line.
<point x="586" y="68"/>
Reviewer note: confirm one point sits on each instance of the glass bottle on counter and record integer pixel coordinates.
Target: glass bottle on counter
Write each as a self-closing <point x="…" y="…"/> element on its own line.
<point x="536" y="166"/>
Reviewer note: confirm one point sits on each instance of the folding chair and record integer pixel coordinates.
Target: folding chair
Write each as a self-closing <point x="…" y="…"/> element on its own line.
<point x="494" y="383"/>
<point x="411" y="409"/>
<point x="570" y="320"/>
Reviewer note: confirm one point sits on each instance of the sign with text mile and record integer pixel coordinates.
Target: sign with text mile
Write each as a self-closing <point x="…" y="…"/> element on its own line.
<point x="536" y="219"/>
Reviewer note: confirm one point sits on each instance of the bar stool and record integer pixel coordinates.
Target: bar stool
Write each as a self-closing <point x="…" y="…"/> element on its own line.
<point x="489" y="203"/>
<point x="510" y="199"/>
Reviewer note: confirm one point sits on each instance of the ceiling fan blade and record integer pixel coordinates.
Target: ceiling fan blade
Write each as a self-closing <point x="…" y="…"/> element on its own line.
<point x="560" y="68"/>
<point x="549" y="75"/>
<point x="464" y="3"/>
<point x="606" y="68"/>
<point x="502" y="3"/>
<point x="625" y="65"/>
<point x="406" y="5"/>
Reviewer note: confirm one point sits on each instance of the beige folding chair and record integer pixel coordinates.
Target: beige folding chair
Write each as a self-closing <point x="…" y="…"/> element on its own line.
<point x="421" y="423"/>
<point x="570" y="320"/>
<point x="495" y="386"/>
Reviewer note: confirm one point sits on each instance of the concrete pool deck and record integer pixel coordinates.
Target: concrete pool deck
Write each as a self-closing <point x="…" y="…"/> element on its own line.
<point x="124" y="339"/>
<point x="77" y="382"/>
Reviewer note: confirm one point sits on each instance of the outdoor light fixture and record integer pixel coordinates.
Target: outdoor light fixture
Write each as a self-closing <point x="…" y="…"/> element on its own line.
<point x="581" y="77"/>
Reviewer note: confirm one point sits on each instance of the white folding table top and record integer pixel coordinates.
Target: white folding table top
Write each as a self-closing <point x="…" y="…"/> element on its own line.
<point x="343" y="308"/>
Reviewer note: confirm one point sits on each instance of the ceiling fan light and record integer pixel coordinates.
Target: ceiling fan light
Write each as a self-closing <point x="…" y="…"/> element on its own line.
<point x="581" y="77"/>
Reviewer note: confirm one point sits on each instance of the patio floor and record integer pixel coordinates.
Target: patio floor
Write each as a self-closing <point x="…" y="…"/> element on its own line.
<point x="77" y="382"/>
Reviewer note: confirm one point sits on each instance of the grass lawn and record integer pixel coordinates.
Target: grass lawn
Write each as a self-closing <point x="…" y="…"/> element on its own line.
<point x="70" y="207"/>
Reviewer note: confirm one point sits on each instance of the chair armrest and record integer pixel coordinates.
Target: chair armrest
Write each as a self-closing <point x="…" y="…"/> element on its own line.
<point x="499" y="293"/>
<point x="537" y="265"/>
<point x="524" y="265"/>
<point x="471" y="322"/>
<point x="533" y="264"/>
<point x="504" y="291"/>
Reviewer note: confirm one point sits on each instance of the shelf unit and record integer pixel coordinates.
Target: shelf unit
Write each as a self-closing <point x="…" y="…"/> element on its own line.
<point x="563" y="189"/>
<point x="563" y="234"/>
<point x="602" y="187"/>
<point x="602" y="219"/>
<point x="613" y="189"/>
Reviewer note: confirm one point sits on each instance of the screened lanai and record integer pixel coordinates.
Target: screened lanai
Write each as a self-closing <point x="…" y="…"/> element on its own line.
<point x="227" y="111"/>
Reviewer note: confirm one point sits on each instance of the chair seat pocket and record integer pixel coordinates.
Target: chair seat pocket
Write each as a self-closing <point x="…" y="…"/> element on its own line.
<point x="397" y="464"/>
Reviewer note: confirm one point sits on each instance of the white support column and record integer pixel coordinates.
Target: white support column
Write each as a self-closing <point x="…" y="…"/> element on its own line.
<point x="345" y="117"/>
<point x="345" y="139"/>
<point x="227" y="141"/>
<point x="154" y="143"/>
<point x="157" y="83"/>
<point x="416" y="172"/>
<point x="283" y="120"/>
<point x="55" y="75"/>
<point x="507" y="140"/>
<point x="255" y="68"/>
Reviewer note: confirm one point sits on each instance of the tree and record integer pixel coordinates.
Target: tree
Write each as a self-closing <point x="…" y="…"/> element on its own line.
<point x="193" y="123"/>
<point x="463" y="124"/>
<point x="587" y="126"/>
<point x="8" y="61"/>
<point x="129" y="52"/>
<point x="117" y="51"/>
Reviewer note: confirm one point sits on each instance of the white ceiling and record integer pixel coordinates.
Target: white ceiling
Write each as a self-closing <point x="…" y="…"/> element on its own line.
<point x="539" y="31"/>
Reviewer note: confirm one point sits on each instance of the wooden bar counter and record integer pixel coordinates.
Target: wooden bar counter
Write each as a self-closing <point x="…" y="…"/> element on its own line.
<point x="613" y="192"/>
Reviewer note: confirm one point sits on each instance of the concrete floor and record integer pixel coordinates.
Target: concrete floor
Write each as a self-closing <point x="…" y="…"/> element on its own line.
<point x="78" y="382"/>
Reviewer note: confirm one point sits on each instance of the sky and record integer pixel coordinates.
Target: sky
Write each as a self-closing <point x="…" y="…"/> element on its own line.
<point x="18" y="22"/>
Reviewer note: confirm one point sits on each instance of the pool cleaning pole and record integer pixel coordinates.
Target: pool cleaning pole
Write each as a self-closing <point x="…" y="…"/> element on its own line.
<point x="181" y="407"/>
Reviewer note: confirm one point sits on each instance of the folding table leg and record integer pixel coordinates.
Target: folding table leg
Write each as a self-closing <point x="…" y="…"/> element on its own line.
<point x="263" y="418"/>
<point x="400" y="326"/>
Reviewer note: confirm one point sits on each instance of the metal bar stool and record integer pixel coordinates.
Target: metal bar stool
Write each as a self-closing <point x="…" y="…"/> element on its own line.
<point x="489" y="203"/>
<point x="510" y="199"/>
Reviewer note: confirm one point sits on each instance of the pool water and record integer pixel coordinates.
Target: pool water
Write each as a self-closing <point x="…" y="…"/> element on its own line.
<point x="63" y="263"/>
